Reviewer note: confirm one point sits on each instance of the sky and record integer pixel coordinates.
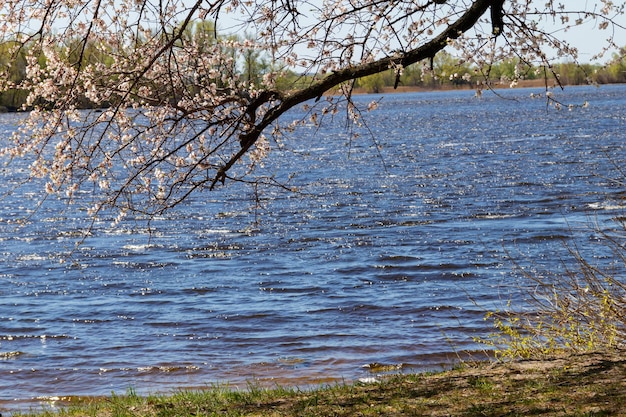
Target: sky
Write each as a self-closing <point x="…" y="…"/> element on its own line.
<point x="588" y="38"/>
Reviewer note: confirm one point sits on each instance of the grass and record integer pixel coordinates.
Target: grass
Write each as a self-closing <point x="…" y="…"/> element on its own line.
<point x="589" y="384"/>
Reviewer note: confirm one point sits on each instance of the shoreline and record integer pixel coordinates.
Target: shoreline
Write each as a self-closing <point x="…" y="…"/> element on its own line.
<point x="573" y="384"/>
<point x="497" y="85"/>
<point x="537" y="83"/>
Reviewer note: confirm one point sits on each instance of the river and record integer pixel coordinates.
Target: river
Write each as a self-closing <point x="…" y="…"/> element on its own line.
<point x="391" y="251"/>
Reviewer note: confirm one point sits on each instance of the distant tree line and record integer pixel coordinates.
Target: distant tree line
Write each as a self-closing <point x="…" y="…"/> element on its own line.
<point x="443" y="71"/>
<point x="249" y="66"/>
<point x="448" y="71"/>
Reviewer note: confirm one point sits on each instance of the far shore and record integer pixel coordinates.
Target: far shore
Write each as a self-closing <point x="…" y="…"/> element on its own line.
<point x="537" y="83"/>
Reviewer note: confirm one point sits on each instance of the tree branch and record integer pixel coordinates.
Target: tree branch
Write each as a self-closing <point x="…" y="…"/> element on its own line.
<point x="317" y="89"/>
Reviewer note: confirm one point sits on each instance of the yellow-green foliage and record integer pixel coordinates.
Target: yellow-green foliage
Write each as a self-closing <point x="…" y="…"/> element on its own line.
<point x="569" y="318"/>
<point x="579" y="310"/>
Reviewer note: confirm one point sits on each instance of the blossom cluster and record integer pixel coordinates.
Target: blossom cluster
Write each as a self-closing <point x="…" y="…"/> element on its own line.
<point x="142" y="102"/>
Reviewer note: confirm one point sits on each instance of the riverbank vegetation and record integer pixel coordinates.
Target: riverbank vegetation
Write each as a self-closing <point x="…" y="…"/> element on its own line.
<point x="444" y="71"/>
<point x="580" y="309"/>
<point x="590" y="384"/>
<point x="450" y="72"/>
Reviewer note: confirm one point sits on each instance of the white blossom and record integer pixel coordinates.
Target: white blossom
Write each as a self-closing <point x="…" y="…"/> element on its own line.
<point x="170" y="100"/>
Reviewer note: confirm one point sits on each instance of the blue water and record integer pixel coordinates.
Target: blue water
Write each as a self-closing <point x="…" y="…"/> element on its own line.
<point x="391" y="250"/>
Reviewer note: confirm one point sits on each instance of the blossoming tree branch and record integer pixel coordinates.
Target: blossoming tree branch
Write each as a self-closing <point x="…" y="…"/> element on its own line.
<point x="145" y="102"/>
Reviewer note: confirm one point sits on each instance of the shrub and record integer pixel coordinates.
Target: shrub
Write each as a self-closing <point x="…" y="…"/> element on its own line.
<point x="583" y="309"/>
